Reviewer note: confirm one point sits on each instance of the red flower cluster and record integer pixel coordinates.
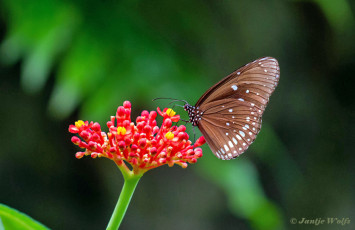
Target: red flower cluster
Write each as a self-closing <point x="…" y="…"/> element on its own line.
<point x="144" y="146"/>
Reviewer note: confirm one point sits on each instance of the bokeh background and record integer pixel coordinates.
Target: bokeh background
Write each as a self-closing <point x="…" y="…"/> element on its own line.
<point x="67" y="60"/>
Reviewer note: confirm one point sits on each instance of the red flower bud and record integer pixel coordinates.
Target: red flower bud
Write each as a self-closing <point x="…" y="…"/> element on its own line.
<point x="85" y="135"/>
<point x="147" y="129"/>
<point x="96" y="127"/>
<point x="79" y="154"/>
<point x="75" y="140"/>
<point x="134" y="147"/>
<point x="126" y="123"/>
<point x="152" y="115"/>
<point x="193" y="160"/>
<point x="121" y="111"/>
<point x="121" y="144"/>
<point x="127" y="104"/>
<point x="145" y="113"/>
<point x="153" y="150"/>
<point x="95" y="137"/>
<point x="182" y="128"/>
<point x="142" y="142"/>
<point x="167" y="123"/>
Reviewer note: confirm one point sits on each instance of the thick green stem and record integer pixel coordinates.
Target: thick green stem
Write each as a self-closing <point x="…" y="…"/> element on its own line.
<point x="129" y="186"/>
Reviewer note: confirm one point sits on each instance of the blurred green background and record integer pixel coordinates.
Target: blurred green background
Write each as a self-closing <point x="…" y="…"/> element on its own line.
<point x="67" y="60"/>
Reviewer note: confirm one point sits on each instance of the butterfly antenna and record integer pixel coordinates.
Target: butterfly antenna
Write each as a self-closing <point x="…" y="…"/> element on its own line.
<point x="176" y="104"/>
<point x="193" y="129"/>
<point x="168" y="98"/>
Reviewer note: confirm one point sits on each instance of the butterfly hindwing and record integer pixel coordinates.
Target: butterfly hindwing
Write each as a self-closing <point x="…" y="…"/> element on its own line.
<point x="230" y="128"/>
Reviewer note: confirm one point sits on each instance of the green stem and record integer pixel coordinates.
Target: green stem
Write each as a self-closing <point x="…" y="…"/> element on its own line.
<point x="129" y="186"/>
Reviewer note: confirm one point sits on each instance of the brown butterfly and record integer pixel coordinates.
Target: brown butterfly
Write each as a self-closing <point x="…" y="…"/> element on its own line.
<point x="229" y="113"/>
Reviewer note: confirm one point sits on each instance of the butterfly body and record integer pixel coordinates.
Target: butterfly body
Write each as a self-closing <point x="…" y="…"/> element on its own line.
<point x="229" y="114"/>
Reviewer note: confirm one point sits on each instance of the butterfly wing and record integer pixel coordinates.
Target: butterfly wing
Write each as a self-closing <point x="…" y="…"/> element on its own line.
<point x="232" y="109"/>
<point x="254" y="82"/>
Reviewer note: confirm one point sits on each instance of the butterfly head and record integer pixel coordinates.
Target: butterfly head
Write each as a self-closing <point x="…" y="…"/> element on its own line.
<point x="194" y="113"/>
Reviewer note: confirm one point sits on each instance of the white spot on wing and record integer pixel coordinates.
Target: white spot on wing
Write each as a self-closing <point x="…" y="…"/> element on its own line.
<point x="235" y="141"/>
<point x="227" y="124"/>
<point x="240" y="99"/>
<point x="234" y="87"/>
<point x="242" y="133"/>
<point x="230" y="110"/>
<point x="230" y="144"/>
<point x="226" y="148"/>
<point x="239" y="138"/>
<point x="247" y="91"/>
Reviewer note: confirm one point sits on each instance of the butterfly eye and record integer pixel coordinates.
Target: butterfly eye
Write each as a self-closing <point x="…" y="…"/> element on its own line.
<point x="229" y="113"/>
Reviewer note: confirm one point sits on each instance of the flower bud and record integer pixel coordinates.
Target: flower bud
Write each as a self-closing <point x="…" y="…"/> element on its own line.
<point x="153" y="151"/>
<point x="184" y="165"/>
<point x="142" y="142"/>
<point x="193" y="160"/>
<point x="127" y="104"/>
<point x="155" y="129"/>
<point x="96" y="127"/>
<point x="152" y="115"/>
<point x="121" y="111"/>
<point x="126" y="123"/>
<point x="162" y="160"/>
<point x="85" y="135"/>
<point x="121" y="145"/>
<point x="147" y="129"/>
<point x="182" y="128"/>
<point x="95" y="137"/>
<point x="167" y="123"/>
<point x="75" y="140"/>
<point x="134" y="147"/>
<point x="145" y="113"/>
<point x="79" y="155"/>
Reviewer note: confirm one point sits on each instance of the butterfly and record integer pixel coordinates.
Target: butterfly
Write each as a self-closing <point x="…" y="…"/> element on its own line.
<point x="229" y="114"/>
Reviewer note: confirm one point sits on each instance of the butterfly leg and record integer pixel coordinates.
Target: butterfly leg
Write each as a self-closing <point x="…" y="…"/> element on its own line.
<point x="193" y="130"/>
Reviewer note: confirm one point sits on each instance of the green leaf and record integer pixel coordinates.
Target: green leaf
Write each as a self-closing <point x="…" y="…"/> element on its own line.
<point x="12" y="219"/>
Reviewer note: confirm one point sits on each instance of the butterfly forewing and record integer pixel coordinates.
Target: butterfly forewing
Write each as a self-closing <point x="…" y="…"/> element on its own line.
<point x="229" y="113"/>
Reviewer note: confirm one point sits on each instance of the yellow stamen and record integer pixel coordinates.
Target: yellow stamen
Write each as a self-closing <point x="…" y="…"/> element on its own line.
<point x="121" y="130"/>
<point x="170" y="112"/>
<point x="79" y="123"/>
<point x="169" y="135"/>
